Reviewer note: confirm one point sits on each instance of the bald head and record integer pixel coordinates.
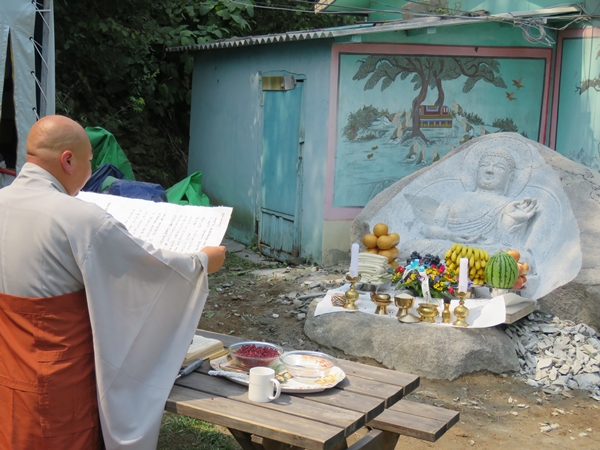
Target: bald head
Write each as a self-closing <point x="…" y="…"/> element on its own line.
<point x="62" y="147"/>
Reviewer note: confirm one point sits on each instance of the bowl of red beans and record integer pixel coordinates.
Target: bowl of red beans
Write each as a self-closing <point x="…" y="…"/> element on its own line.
<point x="251" y="354"/>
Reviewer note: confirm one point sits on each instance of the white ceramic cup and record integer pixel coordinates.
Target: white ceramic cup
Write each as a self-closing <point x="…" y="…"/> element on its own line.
<point x="263" y="385"/>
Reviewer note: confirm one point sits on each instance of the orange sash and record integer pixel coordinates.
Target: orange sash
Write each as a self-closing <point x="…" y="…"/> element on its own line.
<point x="48" y="394"/>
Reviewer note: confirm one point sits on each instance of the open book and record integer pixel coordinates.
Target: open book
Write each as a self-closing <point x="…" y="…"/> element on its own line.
<point x="204" y="348"/>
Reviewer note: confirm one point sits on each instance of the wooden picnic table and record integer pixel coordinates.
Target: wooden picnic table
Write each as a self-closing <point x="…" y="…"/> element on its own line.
<point x="368" y="396"/>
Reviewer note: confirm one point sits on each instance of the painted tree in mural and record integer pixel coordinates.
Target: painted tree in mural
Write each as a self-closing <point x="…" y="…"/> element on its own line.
<point x="429" y="72"/>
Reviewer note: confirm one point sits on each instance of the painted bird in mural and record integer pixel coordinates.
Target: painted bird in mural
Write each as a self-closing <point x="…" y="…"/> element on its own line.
<point x="509" y="96"/>
<point x="370" y="155"/>
<point x="517" y="83"/>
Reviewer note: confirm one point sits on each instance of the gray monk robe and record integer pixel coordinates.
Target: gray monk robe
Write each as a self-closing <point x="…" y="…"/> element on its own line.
<point x="144" y="303"/>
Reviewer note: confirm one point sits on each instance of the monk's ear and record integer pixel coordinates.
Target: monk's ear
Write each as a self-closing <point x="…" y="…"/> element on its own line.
<point x="65" y="161"/>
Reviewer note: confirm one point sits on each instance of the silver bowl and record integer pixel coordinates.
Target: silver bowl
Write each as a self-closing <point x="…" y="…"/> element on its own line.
<point x="306" y="365"/>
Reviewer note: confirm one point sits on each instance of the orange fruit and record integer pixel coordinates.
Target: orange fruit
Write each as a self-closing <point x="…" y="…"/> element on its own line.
<point x="384" y="242"/>
<point x="380" y="229"/>
<point x="389" y="254"/>
<point x="395" y="238"/>
<point x="370" y="240"/>
<point x="515" y="254"/>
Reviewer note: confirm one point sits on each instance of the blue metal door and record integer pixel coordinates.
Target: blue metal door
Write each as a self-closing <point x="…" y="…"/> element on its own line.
<point x="283" y="137"/>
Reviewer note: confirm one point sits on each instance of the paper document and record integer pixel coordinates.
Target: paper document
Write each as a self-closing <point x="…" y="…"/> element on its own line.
<point x="180" y="228"/>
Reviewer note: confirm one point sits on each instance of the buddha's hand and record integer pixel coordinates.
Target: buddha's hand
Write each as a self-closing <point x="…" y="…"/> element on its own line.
<point x="518" y="213"/>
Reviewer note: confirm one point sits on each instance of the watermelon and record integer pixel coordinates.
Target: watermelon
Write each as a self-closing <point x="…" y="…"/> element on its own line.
<point x="501" y="271"/>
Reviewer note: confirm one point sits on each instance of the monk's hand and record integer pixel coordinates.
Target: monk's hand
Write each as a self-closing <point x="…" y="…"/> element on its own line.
<point x="216" y="257"/>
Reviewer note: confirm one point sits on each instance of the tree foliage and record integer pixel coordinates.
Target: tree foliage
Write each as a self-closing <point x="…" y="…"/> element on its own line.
<point x="113" y="71"/>
<point x="292" y="15"/>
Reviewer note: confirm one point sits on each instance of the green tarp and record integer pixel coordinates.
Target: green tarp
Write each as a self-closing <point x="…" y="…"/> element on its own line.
<point x="188" y="191"/>
<point x="107" y="151"/>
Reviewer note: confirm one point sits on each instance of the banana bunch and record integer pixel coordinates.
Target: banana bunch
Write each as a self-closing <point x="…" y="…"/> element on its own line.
<point x="478" y="258"/>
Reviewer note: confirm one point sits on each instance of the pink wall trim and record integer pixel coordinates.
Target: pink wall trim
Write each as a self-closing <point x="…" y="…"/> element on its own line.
<point x="582" y="33"/>
<point x="331" y="213"/>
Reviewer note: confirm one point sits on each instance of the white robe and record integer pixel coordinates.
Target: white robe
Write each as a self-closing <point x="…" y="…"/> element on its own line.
<point x="144" y="303"/>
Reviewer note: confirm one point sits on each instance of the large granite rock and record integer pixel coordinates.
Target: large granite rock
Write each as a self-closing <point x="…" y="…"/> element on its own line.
<point x="429" y="351"/>
<point x="534" y="200"/>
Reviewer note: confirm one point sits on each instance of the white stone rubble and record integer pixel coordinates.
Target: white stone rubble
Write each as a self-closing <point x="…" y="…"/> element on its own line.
<point x="557" y="355"/>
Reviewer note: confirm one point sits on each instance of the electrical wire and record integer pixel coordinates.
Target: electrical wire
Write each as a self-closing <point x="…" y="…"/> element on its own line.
<point x="351" y="9"/>
<point x="533" y="29"/>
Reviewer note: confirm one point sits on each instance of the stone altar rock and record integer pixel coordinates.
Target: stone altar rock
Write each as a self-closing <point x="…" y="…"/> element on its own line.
<point x="431" y="351"/>
<point x="498" y="192"/>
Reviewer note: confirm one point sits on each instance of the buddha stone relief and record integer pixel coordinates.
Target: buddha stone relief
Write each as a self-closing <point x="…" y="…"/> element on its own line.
<point x="497" y="219"/>
<point x="496" y="193"/>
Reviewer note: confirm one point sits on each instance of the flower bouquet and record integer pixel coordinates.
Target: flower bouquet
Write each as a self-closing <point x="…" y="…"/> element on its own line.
<point x="425" y="277"/>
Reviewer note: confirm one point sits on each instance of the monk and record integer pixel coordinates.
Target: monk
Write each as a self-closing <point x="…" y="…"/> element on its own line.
<point x="94" y="323"/>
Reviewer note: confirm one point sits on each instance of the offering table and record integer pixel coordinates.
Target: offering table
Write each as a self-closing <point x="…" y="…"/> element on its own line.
<point x="368" y="396"/>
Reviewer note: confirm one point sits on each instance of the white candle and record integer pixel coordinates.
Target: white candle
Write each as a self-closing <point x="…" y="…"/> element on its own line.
<point x="354" y="261"/>
<point x="463" y="276"/>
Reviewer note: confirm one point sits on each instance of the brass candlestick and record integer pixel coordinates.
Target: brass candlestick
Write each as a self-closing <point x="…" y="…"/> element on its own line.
<point x="461" y="311"/>
<point x="352" y="294"/>
<point x="446" y="311"/>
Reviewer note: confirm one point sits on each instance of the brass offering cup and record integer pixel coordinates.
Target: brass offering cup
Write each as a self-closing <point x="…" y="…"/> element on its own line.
<point x="404" y="302"/>
<point x="382" y="301"/>
<point x="428" y="311"/>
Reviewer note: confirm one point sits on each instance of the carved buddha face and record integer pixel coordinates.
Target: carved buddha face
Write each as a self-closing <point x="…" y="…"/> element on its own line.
<point x="494" y="172"/>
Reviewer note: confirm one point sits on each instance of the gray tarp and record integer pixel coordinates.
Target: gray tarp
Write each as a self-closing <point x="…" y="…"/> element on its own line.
<point x="17" y="20"/>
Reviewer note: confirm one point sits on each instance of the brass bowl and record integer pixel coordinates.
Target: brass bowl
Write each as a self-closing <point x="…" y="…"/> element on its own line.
<point x="428" y="312"/>
<point x="382" y="301"/>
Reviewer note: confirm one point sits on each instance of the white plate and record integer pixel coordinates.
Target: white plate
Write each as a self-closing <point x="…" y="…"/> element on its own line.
<point x="289" y="384"/>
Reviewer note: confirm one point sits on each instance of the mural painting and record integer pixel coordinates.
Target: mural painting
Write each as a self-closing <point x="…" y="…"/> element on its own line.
<point x="577" y="97"/>
<point x="400" y="111"/>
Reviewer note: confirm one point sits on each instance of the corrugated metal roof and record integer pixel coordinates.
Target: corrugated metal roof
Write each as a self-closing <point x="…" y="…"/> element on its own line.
<point x="377" y="27"/>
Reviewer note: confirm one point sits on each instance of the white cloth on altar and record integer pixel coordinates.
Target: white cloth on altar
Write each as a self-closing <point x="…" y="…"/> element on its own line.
<point x="483" y="313"/>
<point x="144" y="303"/>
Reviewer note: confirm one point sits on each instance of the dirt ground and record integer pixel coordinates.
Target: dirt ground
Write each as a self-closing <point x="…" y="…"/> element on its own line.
<point x="496" y="411"/>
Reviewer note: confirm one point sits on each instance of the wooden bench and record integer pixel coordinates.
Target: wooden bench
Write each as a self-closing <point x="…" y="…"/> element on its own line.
<point x="412" y="419"/>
